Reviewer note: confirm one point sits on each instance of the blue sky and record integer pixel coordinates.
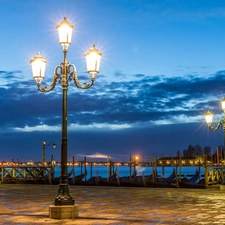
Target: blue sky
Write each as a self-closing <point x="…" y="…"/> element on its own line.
<point x="162" y="68"/>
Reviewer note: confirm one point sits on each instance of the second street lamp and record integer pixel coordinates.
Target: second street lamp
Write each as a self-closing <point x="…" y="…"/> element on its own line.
<point x="221" y="123"/>
<point x="44" y="146"/>
<point x="64" y="73"/>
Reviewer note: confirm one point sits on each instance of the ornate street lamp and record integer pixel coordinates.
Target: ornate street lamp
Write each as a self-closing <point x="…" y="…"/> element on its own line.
<point x="44" y="146"/>
<point x="64" y="73"/>
<point x="209" y="119"/>
<point x="221" y="123"/>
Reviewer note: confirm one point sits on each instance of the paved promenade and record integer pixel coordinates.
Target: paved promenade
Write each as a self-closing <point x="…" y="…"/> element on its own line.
<point x="28" y="204"/>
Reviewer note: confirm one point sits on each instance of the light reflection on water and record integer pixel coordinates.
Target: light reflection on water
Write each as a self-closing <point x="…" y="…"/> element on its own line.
<point x="125" y="170"/>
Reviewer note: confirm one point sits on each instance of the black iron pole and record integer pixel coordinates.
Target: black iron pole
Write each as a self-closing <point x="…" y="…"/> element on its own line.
<point x="63" y="197"/>
<point x="223" y="150"/>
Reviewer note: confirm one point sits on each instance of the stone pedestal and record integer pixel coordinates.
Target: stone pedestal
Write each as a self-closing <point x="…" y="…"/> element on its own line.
<point x="63" y="212"/>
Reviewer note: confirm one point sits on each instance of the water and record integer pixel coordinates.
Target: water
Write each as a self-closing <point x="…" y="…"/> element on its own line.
<point x="125" y="170"/>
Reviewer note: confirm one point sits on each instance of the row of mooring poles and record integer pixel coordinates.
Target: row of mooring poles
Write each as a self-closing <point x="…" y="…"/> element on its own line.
<point x="83" y="166"/>
<point x="133" y="164"/>
<point x="179" y="164"/>
<point x="132" y="168"/>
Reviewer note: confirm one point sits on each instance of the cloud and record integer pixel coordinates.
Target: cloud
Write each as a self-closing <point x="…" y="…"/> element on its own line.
<point x="38" y="128"/>
<point x="72" y="127"/>
<point x="95" y="156"/>
<point x="114" y="105"/>
<point x="178" y="11"/>
<point x="119" y="74"/>
<point x="8" y="78"/>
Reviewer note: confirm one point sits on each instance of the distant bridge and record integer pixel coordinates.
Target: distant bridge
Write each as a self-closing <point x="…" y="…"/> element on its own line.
<point x="26" y="174"/>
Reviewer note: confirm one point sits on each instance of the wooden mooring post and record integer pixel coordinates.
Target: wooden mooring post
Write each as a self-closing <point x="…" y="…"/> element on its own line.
<point x="2" y="177"/>
<point x="73" y="171"/>
<point x="85" y="170"/>
<point x="205" y="170"/>
<point x="199" y="170"/>
<point x="81" y="167"/>
<point x="163" y="171"/>
<point x="135" y="167"/>
<point x="130" y="167"/>
<point x="91" y="170"/>
<point x="108" y="168"/>
<point x="153" y="168"/>
<point x="111" y="168"/>
<point x="180" y="167"/>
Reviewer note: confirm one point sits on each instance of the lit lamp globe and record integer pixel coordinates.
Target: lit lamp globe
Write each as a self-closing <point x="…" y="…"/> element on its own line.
<point x="223" y="104"/>
<point x="38" y="64"/>
<point x="136" y="160"/>
<point x="208" y="117"/>
<point x="93" y="58"/>
<point x="65" y="29"/>
<point x="54" y="145"/>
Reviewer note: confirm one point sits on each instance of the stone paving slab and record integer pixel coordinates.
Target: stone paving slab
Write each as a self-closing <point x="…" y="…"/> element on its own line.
<point x="28" y="204"/>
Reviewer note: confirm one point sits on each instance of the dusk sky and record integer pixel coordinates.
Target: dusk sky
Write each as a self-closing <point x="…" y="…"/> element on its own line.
<point x="163" y="67"/>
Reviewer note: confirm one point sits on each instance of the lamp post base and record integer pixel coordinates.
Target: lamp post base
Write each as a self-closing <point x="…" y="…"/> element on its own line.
<point x="63" y="196"/>
<point x="63" y="212"/>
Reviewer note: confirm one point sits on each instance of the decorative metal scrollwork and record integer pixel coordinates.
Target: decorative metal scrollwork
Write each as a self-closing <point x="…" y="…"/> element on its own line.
<point x="71" y="74"/>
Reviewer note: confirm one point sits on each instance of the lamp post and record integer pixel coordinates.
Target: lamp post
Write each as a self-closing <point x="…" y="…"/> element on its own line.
<point x="44" y="146"/>
<point x="64" y="73"/>
<point x="221" y="123"/>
